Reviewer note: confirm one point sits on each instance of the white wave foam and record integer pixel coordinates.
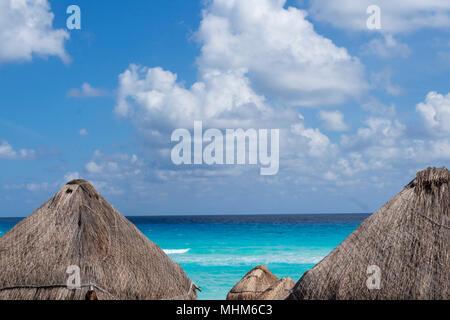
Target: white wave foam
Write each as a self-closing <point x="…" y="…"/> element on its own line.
<point x="176" y="251"/>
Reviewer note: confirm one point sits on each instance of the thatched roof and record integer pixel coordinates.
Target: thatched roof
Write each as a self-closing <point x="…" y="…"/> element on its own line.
<point x="254" y="283"/>
<point x="408" y="239"/>
<point x="278" y="291"/>
<point x="78" y="227"/>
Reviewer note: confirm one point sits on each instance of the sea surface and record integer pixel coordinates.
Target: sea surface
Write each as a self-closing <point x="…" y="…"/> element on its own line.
<point x="217" y="251"/>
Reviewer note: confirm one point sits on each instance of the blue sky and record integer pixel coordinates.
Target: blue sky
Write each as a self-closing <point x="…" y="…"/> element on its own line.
<point x="360" y="111"/>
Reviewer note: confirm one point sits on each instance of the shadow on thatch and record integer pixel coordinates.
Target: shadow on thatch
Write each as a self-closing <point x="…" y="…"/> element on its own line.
<point x="78" y="227"/>
<point x="400" y="252"/>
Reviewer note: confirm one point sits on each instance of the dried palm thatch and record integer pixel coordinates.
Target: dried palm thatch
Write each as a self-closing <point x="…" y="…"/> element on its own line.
<point x="278" y="291"/>
<point x="407" y="239"/>
<point x="254" y="283"/>
<point x="78" y="227"/>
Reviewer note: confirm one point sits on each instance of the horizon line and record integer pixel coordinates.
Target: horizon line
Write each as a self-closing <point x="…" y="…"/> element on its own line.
<point x="222" y="215"/>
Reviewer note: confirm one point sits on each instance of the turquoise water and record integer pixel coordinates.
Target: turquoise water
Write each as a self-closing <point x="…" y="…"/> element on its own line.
<point x="217" y="251"/>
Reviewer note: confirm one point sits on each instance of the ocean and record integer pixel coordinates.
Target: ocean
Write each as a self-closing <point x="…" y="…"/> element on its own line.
<point x="217" y="251"/>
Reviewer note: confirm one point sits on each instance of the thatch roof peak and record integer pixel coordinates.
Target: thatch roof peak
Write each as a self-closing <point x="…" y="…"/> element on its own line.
<point x="78" y="227"/>
<point x="430" y="177"/>
<point x="261" y="284"/>
<point x="253" y="284"/>
<point x="78" y="182"/>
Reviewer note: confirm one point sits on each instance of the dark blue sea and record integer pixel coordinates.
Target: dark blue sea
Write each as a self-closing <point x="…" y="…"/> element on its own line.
<point x="217" y="251"/>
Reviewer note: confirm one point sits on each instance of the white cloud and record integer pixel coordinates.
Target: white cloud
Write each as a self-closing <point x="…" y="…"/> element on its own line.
<point x="156" y="101"/>
<point x="378" y="131"/>
<point x="83" y="132"/>
<point x="330" y="176"/>
<point x="32" y="186"/>
<point x="156" y="92"/>
<point x="239" y="86"/>
<point x="386" y="46"/>
<point x="375" y="106"/>
<point x="108" y="172"/>
<point x="385" y="143"/>
<point x="37" y="186"/>
<point x="435" y="113"/>
<point x="333" y="120"/>
<point x="396" y="16"/>
<point x="318" y="143"/>
<point x="86" y="91"/>
<point x="292" y="63"/>
<point x="93" y="168"/>
<point x="71" y="176"/>
<point x="26" y="30"/>
<point x="108" y="188"/>
<point x="8" y="152"/>
<point x="13" y="186"/>
<point x="113" y="166"/>
<point x="440" y="149"/>
<point x="383" y="80"/>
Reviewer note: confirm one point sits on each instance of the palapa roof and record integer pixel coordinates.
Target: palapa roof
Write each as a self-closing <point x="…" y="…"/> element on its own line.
<point x="407" y="239"/>
<point x="254" y="283"/>
<point x="78" y="227"/>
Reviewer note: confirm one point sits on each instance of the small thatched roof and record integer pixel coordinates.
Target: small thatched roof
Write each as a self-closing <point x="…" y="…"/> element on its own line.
<point x="408" y="239"/>
<point x="254" y="283"/>
<point x="278" y="291"/>
<point x="78" y="227"/>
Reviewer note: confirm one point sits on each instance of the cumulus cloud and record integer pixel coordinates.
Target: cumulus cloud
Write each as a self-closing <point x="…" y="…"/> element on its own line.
<point x="396" y="16"/>
<point x="378" y="131"/>
<point x="7" y="152"/>
<point x="318" y="143"/>
<point x="157" y="104"/>
<point x="153" y="95"/>
<point x="108" y="171"/>
<point x="435" y="113"/>
<point x="333" y="120"/>
<point x="386" y="46"/>
<point x="26" y="30"/>
<point x="383" y="80"/>
<point x="240" y="87"/>
<point x="93" y="167"/>
<point x="292" y="62"/>
<point x="375" y="106"/>
<point x="384" y="143"/>
<point x="115" y="166"/>
<point x="86" y="91"/>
